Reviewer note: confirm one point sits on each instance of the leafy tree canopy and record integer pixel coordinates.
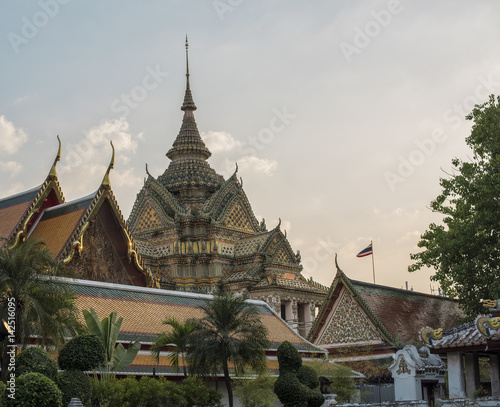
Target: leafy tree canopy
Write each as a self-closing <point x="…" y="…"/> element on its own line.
<point x="230" y="332"/>
<point x="465" y="251"/>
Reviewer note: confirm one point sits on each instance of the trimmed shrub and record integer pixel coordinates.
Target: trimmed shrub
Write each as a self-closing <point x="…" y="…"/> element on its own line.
<point x="289" y="358"/>
<point x="290" y="391"/>
<point x="74" y="383"/>
<point x="36" y="360"/>
<point x="83" y="352"/>
<point x="35" y="390"/>
<point x="308" y="376"/>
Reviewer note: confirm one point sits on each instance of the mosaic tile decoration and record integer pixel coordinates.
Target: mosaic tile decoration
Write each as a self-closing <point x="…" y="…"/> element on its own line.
<point x="348" y="323"/>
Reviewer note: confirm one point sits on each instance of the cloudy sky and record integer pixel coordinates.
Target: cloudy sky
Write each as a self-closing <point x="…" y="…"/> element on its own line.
<point x="342" y="115"/>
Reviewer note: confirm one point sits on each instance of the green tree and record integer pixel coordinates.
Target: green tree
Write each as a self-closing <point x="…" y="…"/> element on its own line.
<point x="178" y="337"/>
<point x="256" y="391"/>
<point x="230" y="332"/>
<point x="465" y="251"/>
<point x="40" y="305"/>
<point x="107" y="331"/>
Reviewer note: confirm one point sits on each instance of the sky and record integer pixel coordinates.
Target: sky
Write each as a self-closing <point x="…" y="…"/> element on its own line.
<point x="341" y="115"/>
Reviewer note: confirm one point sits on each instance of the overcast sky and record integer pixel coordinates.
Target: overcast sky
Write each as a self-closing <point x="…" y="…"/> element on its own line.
<point x="342" y="116"/>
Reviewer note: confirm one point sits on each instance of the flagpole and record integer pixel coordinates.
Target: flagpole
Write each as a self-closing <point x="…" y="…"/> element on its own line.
<point x="373" y="262"/>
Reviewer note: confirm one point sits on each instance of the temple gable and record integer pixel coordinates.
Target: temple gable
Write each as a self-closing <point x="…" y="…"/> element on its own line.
<point x="347" y="323"/>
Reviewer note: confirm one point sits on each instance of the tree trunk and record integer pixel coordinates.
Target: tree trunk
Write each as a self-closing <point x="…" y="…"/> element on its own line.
<point x="227" y="379"/>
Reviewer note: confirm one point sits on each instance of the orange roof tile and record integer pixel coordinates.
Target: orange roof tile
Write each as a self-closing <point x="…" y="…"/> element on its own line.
<point x="10" y="217"/>
<point x="56" y="230"/>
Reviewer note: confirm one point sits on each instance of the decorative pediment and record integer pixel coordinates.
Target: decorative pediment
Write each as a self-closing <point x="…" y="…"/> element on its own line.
<point x="149" y="217"/>
<point x="154" y="197"/>
<point x="238" y="216"/>
<point x="347" y="323"/>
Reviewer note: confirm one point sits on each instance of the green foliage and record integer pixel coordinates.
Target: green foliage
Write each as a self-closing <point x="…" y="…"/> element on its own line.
<point x="197" y="394"/>
<point x="83" y="352"/>
<point x="465" y="251"/>
<point x="342" y="384"/>
<point x="291" y="391"/>
<point x="74" y="383"/>
<point x="179" y="337"/>
<point x="116" y="356"/>
<point x="36" y="360"/>
<point x="34" y="390"/>
<point x="230" y="331"/>
<point x="256" y="392"/>
<point x="289" y="358"/>
<point x="308" y="376"/>
<point x="152" y="392"/>
<point x="45" y="308"/>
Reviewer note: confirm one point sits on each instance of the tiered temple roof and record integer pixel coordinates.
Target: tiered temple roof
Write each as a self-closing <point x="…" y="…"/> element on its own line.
<point x="193" y="228"/>
<point x="88" y="235"/>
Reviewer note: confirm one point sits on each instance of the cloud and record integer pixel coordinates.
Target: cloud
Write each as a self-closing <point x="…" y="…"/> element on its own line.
<point x="260" y="165"/>
<point x="85" y="163"/>
<point x="115" y="130"/>
<point x="95" y="146"/>
<point x="11" y="167"/>
<point x="20" y="99"/>
<point x="11" y="139"/>
<point x="126" y="179"/>
<point x="217" y="141"/>
<point x="14" y="189"/>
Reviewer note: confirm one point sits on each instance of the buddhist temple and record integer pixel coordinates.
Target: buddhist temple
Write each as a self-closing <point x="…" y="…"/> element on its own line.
<point x="193" y="228"/>
<point x="87" y="236"/>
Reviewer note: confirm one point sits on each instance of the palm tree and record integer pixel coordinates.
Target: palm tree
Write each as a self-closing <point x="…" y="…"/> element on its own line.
<point x="230" y="332"/>
<point x="178" y="337"/>
<point x="107" y="331"/>
<point x="32" y="299"/>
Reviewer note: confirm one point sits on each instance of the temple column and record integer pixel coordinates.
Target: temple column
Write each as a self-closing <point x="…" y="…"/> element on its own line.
<point x="307" y="318"/>
<point x="471" y="373"/>
<point x="495" y="375"/>
<point x="456" y="383"/>
<point x="288" y="312"/>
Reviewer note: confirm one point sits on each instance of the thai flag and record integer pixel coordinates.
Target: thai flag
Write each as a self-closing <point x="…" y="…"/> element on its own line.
<point x="365" y="252"/>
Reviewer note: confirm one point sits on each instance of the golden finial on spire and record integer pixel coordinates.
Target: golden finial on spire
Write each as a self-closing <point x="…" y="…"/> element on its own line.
<point x="105" y="182"/>
<point x="53" y="172"/>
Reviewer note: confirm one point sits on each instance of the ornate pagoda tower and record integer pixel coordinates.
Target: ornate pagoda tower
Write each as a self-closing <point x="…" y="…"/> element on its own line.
<point x="192" y="228"/>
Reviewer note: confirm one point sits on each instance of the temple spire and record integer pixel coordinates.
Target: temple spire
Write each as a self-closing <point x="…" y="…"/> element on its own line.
<point x="187" y="63"/>
<point x="188" y="97"/>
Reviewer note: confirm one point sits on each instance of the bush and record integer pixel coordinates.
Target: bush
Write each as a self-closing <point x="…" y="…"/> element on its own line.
<point x="36" y="360"/>
<point x="74" y="383"/>
<point x="290" y="391"/>
<point x="152" y="392"/>
<point x="198" y="395"/>
<point x="289" y="358"/>
<point x="342" y="384"/>
<point x="83" y="352"/>
<point x="257" y="392"/>
<point x="35" y="390"/>
<point x="308" y="376"/>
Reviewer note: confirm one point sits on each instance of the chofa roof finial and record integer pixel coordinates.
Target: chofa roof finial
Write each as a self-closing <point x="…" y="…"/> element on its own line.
<point x="105" y="182"/>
